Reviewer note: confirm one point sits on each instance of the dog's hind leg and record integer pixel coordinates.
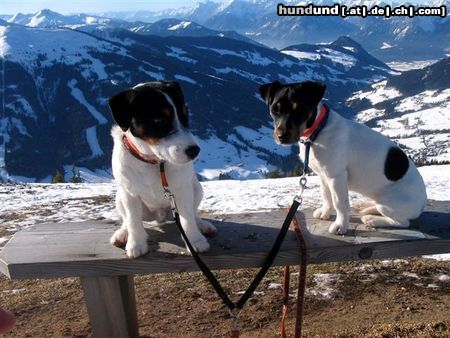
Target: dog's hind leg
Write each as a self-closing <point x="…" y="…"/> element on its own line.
<point x="361" y="205"/>
<point x="369" y="211"/>
<point x="384" y="221"/>
<point x="206" y="228"/>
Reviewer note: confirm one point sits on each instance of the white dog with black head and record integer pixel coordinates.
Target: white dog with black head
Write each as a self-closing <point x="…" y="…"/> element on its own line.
<point x="346" y="156"/>
<point x="152" y="128"/>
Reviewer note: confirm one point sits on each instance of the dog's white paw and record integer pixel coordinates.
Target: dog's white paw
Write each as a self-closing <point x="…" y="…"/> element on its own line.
<point x="119" y="238"/>
<point x="136" y="248"/>
<point x="322" y="213"/>
<point x="338" y="228"/>
<point x="201" y="244"/>
<point x="206" y="228"/>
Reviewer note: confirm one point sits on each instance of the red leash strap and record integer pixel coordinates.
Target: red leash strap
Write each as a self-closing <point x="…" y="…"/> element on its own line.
<point x="284" y="310"/>
<point x="301" y="285"/>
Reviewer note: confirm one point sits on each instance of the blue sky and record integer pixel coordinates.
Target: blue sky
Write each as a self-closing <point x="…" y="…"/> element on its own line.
<point x="91" y="6"/>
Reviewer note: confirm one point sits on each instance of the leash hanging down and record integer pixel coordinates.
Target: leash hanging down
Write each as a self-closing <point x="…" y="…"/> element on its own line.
<point x="236" y="307"/>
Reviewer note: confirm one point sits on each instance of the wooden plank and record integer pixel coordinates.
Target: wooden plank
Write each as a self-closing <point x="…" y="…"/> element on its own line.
<point x="112" y="312"/>
<point x="243" y="240"/>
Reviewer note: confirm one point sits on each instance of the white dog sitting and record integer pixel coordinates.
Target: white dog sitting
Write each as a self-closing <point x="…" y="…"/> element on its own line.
<point x="347" y="155"/>
<point x="152" y="127"/>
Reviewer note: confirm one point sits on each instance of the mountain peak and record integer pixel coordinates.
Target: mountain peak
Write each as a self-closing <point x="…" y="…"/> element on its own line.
<point x="46" y="12"/>
<point x="346" y="41"/>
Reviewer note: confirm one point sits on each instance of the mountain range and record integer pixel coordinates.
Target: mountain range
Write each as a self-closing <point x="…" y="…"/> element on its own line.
<point x="57" y="82"/>
<point x="390" y="39"/>
<point x="58" y="71"/>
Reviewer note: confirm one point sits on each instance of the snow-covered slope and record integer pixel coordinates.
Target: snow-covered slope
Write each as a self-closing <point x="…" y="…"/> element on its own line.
<point x="413" y="109"/>
<point x="58" y="81"/>
<point x="344" y="55"/>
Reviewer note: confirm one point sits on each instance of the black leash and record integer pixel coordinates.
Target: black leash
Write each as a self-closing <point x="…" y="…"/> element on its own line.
<point x="234" y="307"/>
<point x="261" y="273"/>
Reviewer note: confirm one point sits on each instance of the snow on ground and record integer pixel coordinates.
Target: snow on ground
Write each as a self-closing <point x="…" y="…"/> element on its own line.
<point x="405" y="66"/>
<point x="302" y="55"/>
<point x="378" y="94"/>
<point x="185" y="79"/>
<point x="181" y="25"/>
<point x="23" y="205"/>
<point x="324" y="286"/>
<point x="251" y="57"/>
<point x="179" y="53"/>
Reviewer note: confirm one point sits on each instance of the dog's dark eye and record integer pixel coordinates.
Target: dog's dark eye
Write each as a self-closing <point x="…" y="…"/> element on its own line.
<point x="276" y="109"/>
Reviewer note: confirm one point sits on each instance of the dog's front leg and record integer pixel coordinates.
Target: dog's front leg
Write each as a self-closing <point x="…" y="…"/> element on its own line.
<point x="185" y="204"/>
<point x="132" y="220"/>
<point x="325" y="210"/>
<point x="338" y="186"/>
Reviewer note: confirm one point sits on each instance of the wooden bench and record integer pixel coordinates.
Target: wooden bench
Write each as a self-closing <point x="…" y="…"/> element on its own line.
<point x="83" y="250"/>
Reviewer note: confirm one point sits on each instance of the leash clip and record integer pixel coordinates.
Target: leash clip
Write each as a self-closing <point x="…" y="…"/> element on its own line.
<point x="171" y="197"/>
<point x="305" y="140"/>
<point x="303" y="181"/>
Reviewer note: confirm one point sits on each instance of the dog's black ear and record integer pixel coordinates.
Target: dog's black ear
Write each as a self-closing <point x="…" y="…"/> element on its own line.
<point x="173" y="89"/>
<point x="312" y="91"/>
<point x="269" y="90"/>
<point x="120" y="108"/>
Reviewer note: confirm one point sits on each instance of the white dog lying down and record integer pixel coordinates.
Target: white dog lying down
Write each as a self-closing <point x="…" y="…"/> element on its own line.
<point x="153" y="122"/>
<point x="347" y="155"/>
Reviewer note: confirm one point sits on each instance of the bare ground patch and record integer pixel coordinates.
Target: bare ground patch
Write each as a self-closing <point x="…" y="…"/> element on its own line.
<point x="403" y="298"/>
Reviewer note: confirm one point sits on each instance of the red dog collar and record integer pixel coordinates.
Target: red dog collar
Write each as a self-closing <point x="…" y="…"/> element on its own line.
<point x="131" y="147"/>
<point x="318" y="124"/>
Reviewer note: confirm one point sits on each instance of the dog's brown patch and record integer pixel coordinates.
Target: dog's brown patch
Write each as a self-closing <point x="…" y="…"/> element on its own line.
<point x="120" y="244"/>
<point x="152" y="141"/>
<point x="139" y="130"/>
<point x="166" y="111"/>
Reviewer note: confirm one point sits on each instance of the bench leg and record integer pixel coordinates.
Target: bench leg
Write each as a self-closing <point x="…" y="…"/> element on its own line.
<point x="111" y="306"/>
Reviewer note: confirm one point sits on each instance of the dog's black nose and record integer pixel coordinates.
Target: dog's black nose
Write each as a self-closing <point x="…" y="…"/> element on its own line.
<point x="284" y="137"/>
<point x="192" y="151"/>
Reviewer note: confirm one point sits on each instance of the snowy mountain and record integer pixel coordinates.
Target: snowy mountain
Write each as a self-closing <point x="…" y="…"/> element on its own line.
<point x="413" y="109"/>
<point x="48" y="18"/>
<point x="389" y="39"/>
<point x="57" y="82"/>
<point x="345" y="55"/>
<point x="176" y="27"/>
<point x="101" y="25"/>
